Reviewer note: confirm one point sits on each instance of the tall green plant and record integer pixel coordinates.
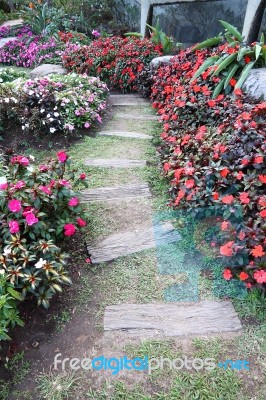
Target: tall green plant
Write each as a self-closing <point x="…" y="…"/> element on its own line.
<point x="236" y="60"/>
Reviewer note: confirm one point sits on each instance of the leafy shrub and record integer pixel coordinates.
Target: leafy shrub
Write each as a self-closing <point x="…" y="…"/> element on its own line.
<point x="214" y="154"/>
<point x="38" y="209"/>
<point x="55" y="103"/>
<point x="233" y="61"/>
<point x="10" y="74"/>
<point x="115" y="60"/>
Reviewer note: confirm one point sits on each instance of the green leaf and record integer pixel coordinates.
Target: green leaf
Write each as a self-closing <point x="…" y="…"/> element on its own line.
<point x="244" y="74"/>
<point x="218" y="88"/>
<point x="225" y="63"/>
<point x="241" y="53"/>
<point x="262" y="39"/>
<point x="258" y="49"/>
<point x="204" y="66"/>
<point x="14" y="293"/>
<point x="133" y="34"/>
<point x="231" y="75"/>
<point x="208" y="43"/>
<point x="231" y="29"/>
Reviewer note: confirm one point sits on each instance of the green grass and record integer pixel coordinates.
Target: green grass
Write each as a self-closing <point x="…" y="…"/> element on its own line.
<point x="54" y="386"/>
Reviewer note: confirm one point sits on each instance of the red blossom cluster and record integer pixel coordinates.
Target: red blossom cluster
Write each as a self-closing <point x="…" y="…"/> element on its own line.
<point x="214" y="154"/>
<point x="117" y="61"/>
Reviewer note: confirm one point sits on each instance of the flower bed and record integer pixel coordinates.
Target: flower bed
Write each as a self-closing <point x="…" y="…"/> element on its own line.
<point x="115" y="60"/>
<point x="214" y="154"/>
<point x="38" y="209"/>
<point x="55" y="103"/>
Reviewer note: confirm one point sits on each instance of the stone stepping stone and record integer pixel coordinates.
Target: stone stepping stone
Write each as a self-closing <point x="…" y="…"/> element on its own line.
<point x="129" y="242"/>
<point x="116" y="193"/>
<point x="114" y="163"/>
<point x="135" y="135"/>
<point x="13" y="22"/>
<point x="47" y="69"/>
<point x="137" y="117"/>
<point x="173" y="320"/>
<point x="127" y="100"/>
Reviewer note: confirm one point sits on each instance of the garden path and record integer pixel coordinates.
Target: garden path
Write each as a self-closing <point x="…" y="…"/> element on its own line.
<point x="175" y="319"/>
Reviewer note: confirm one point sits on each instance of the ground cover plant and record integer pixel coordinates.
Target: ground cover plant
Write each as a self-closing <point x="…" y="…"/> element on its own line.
<point x="39" y="208"/>
<point x="214" y="155"/>
<point x="53" y="104"/>
<point x="117" y="61"/>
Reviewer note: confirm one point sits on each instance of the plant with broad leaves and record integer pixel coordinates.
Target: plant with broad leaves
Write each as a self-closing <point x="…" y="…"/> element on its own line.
<point x="235" y="60"/>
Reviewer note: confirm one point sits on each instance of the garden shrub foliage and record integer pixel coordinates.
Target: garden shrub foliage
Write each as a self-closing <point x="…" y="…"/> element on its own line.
<point x="38" y="208"/>
<point x="214" y="154"/>
<point x="117" y="61"/>
<point x="55" y="103"/>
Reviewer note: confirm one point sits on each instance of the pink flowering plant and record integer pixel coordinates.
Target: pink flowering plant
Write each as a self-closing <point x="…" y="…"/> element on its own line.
<point x="39" y="208"/>
<point x="55" y="103"/>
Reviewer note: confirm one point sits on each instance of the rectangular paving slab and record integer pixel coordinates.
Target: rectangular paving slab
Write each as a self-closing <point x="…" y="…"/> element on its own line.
<point x="127" y="100"/>
<point x="114" y="163"/>
<point x="179" y="319"/>
<point x="116" y="193"/>
<point x="129" y="242"/>
<point x="135" y="116"/>
<point x="135" y="135"/>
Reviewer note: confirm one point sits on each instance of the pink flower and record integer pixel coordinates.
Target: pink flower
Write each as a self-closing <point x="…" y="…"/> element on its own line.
<point x="64" y="182"/>
<point x="28" y="210"/>
<point x="13" y="226"/>
<point x="70" y="229"/>
<point x="82" y="176"/>
<point x="87" y="125"/>
<point x="81" y="222"/>
<point x="260" y="276"/>
<point x="73" y="202"/>
<point x="95" y="33"/>
<point x="31" y="219"/>
<point x="14" y="206"/>
<point x="47" y="190"/>
<point x="44" y="168"/>
<point x="3" y="186"/>
<point x="20" y="185"/>
<point x="20" y="160"/>
<point x="62" y="156"/>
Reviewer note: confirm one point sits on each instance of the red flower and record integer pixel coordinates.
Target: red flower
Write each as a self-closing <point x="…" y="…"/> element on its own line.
<point x="73" y="202"/>
<point x="244" y="199"/>
<point x="247" y="59"/>
<point x="166" y="167"/>
<point x="243" y="276"/>
<point x="260" y="276"/>
<point x="263" y="213"/>
<point x="238" y="92"/>
<point x="228" y="199"/>
<point x="241" y="235"/>
<point x="257" y="251"/>
<point x="224" y="172"/>
<point x="232" y="82"/>
<point x="227" y="249"/>
<point x="258" y="160"/>
<point x="262" y="178"/>
<point x="70" y="229"/>
<point x="81" y="222"/>
<point x="215" y="196"/>
<point x="227" y="274"/>
<point x="82" y="176"/>
<point x="190" y="183"/>
<point x="211" y="103"/>
<point x="225" y="225"/>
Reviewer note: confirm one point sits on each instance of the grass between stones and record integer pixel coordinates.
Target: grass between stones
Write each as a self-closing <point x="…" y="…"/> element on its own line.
<point x="136" y="279"/>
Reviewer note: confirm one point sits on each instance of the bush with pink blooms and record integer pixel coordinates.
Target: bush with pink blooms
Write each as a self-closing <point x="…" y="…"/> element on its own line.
<point x="55" y="103"/>
<point x="39" y="208"/>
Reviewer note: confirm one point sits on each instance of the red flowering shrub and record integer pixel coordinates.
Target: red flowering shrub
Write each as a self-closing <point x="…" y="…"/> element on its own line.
<point x="214" y="154"/>
<point x="38" y="209"/>
<point x="115" y="60"/>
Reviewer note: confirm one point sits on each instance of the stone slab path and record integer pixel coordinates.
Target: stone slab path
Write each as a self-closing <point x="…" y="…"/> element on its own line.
<point x="125" y="192"/>
<point x="147" y="320"/>
<point x="114" y="163"/>
<point x="134" y="135"/>
<point x="172" y="320"/>
<point x="130" y="242"/>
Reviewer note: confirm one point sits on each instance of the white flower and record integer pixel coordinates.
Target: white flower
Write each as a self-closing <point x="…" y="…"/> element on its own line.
<point x="42" y="110"/>
<point x="56" y="114"/>
<point x="3" y="180"/>
<point x="7" y="251"/>
<point x="48" y="115"/>
<point x="52" y="130"/>
<point x="6" y="99"/>
<point x="32" y="157"/>
<point x="51" y="119"/>
<point x="40" y="263"/>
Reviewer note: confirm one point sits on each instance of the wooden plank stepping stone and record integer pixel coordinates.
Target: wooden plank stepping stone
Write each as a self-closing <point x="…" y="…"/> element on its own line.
<point x="114" y="163"/>
<point x="135" y="135"/>
<point x="137" y="117"/>
<point x="178" y="319"/>
<point x="129" y="242"/>
<point x="116" y="193"/>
